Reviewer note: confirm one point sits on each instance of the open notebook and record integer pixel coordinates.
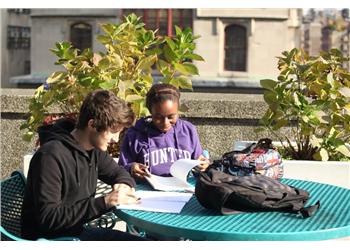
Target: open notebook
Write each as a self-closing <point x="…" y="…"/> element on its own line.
<point x="178" y="182"/>
<point x="159" y="201"/>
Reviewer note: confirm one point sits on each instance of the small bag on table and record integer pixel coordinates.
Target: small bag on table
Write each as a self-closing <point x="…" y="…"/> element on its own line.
<point x="258" y="158"/>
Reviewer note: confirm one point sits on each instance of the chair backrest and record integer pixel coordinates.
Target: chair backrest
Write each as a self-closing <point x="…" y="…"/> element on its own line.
<point x="12" y="192"/>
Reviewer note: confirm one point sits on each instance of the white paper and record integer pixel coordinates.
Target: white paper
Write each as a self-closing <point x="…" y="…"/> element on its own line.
<point x="158" y="201"/>
<point x="182" y="167"/>
<point x="178" y="182"/>
<point x="169" y="184"/>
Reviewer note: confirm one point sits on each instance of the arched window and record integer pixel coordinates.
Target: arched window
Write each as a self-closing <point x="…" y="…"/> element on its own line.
<point x="235" y="48"/>
<point x="81" y="35"/>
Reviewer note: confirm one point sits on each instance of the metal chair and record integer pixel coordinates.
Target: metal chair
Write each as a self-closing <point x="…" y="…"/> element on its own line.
<point x="12" y="192"/>
<point x="107" y="220"/>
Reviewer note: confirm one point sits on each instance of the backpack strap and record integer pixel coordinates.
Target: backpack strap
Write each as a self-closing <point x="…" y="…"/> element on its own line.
<point x="306" y="212"/>
<point x="264" y="143"/>
<point x="247" y="150"/>
<point x="298" y="200"/>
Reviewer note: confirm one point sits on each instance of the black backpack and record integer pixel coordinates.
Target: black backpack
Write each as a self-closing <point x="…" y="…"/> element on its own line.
<point x="232" y="194"/>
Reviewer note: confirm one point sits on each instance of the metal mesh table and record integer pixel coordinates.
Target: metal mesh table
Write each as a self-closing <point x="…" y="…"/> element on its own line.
<point x="197" y="223"/>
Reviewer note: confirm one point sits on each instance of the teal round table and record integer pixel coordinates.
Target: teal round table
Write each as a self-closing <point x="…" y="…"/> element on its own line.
<point x="195" y="222"/>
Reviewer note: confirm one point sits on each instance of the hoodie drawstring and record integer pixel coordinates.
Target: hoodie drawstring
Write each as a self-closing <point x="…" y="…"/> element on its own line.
<point x="77" y="172"/>
<point x="175" y="138"/>
<point x="149" y="153"/>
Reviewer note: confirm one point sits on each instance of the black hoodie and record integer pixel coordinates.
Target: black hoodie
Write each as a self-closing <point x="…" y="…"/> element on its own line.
<point x="59" y="196"/>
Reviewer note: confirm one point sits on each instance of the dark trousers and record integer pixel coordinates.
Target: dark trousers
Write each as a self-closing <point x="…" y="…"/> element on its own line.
<point x="104" y="234"/>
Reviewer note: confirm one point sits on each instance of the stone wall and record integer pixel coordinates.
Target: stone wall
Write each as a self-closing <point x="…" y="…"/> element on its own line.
<point x="220" y="119"/>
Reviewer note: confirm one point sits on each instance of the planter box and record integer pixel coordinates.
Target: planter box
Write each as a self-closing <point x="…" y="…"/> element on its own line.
<point x="26" y="161"/>
<point x="329" y="172"/>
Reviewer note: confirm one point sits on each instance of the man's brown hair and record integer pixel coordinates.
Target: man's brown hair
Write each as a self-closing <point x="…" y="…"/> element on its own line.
<point x="107" y="111"/>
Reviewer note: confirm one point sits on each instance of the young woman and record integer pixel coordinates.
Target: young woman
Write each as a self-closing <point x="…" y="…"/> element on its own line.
<point x="155" y="142"/>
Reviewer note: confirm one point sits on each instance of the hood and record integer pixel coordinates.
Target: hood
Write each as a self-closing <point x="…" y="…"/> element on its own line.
<point x="145" y="126"/>
<point x="60" y="130"/>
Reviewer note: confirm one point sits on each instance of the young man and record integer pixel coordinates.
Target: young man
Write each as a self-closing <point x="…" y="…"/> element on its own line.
<point x="59" y="196"/>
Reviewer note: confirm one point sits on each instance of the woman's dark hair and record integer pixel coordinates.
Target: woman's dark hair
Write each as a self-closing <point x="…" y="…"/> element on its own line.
<point x="162" y="92"/>
<point x="107" y="111"/>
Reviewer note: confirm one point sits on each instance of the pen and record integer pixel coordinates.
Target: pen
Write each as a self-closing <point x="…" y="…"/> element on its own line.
<point x="147" y="171"/>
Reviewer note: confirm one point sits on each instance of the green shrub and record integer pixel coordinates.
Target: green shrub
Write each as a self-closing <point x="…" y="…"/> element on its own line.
<point x="311" y="97"/>
<point x="132" y="54"/>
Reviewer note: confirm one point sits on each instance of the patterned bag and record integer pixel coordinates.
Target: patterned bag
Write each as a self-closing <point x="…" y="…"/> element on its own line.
<point x="258" y="158"/>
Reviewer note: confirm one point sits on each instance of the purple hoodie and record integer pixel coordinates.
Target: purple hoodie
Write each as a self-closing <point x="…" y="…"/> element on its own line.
<point x="145" y="144"/>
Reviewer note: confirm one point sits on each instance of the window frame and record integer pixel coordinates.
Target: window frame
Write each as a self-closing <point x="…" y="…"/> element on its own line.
<point x="18" y="37"/>
<point x="170" y="19"/>
<point x="87" y="24"/>
<point x="234" y="68"/>
<point x="19" y="11"/>
<point x="326" y="36"/>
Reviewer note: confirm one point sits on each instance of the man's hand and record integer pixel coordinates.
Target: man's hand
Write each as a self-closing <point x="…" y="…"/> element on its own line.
<point x="121" y="194"/>
<point x="205" y="163"/>
<point x="139" y="170"/>
<point x="122" y="186"/>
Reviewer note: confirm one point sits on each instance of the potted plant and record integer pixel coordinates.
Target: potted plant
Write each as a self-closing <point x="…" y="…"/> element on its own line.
<point x="132" y="53"/>
<point x="311" y="100"/>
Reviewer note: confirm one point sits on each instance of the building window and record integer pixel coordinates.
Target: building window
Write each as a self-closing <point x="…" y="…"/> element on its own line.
<point x="81" y="36"/>
<point x="18" y="37"/>
<point x="19" y="11"/>
<point x="235" y="48"/>
<point x="326" y="38"/>
<point x="163" y="19"/>
<point x="26" y="67"/>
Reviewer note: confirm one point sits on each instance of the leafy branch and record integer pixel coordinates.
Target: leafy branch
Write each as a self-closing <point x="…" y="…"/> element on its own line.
<point x="132" y="53"/>
<point x="311" y="97"/>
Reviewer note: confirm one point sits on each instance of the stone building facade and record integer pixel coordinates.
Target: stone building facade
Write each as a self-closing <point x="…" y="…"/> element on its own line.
<point x="266" y="33"/>
<point x="239" y="45"/>
<point x="15" y="27"/>
<point x="325" y="29"/>
<point x="77" y="25"/>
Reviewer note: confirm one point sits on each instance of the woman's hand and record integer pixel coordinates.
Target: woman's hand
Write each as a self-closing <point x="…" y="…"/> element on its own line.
<point x="203" y="166"/>
<point x="139" y="170"/>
